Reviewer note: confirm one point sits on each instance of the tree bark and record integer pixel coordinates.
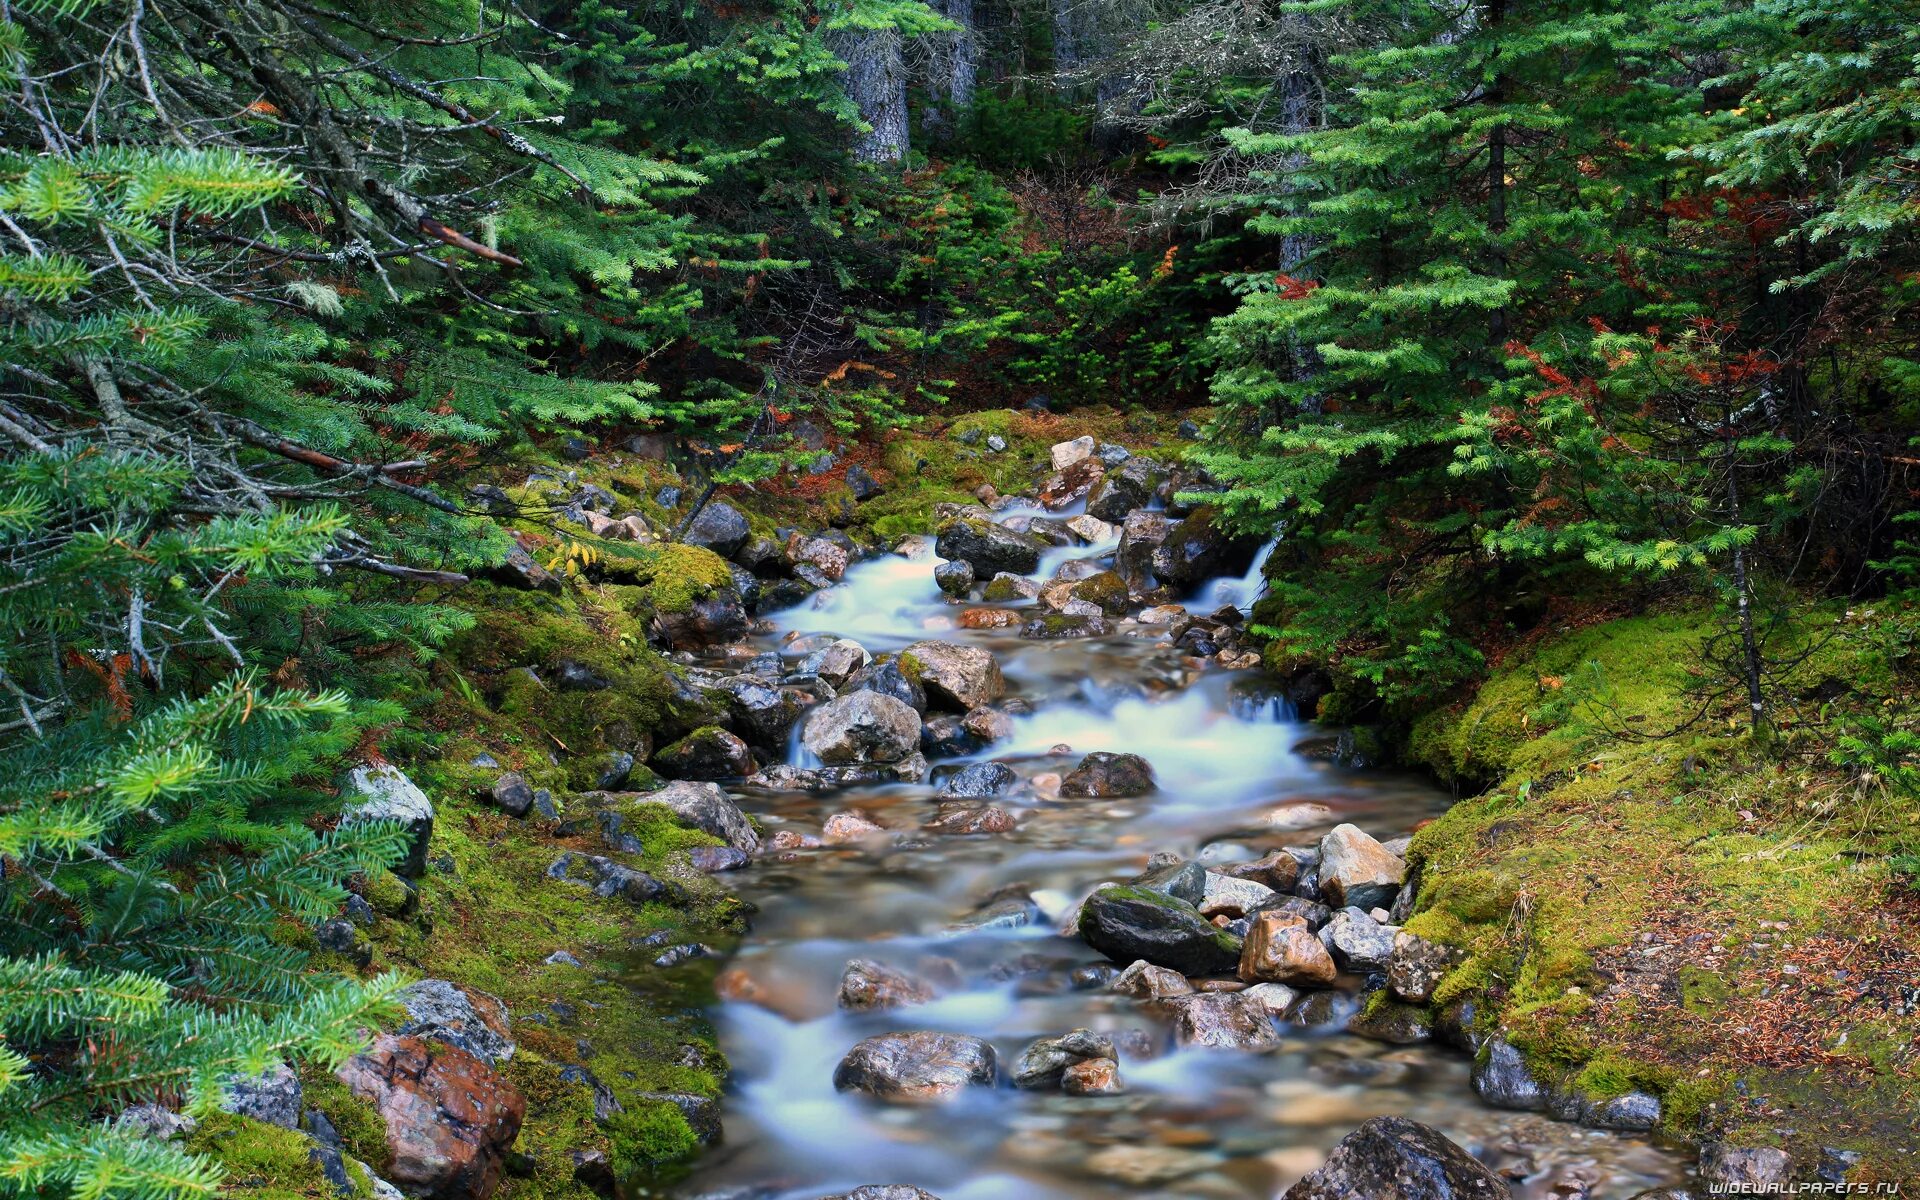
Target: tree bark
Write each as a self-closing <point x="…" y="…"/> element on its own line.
<point x="877" y="81"/>
<point x="1497" y="179"/>
<point x="955" y="68"/>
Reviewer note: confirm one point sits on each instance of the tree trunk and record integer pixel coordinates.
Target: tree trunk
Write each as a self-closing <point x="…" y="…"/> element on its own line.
<point x="955" y="68"/>
<point x="1497" y="180"/>
<point x="877" y="81"/>
<point x="1300" y="92"/>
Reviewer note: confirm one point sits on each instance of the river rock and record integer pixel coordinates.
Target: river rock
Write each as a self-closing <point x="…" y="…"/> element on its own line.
<point x="1148" y="982"/>
<point x="1276" y="998"/>
<point x="1141" y="535"/>
<point x="1066" y="454"/>
<point x="1091" y="530"/>
<point x="1314" y="913"/>
<point x="1392" y="1158"/>
<point x="715" y="619"/>
<point x="837" y="661"/>
<point x="911" y="769"/>
<point x="1229" y="896"/>
<point x="449" y="1117"/>
<point x="1744" y="1168"/>
<point x="916" y="1067"/>
<point x="762" y="712"/>
<point x="782" y="777"/>
<point x="1356" y="871"/>
<point x="382" y="792"/>
<point x="1222" y="1021"/>
<point x="979" y="781"/>
<point x="1501" y="1078"/>
<point x="707" y="753"/>
<point x="957" y="676"/>
<point x="720" y="528"/>
<point x="1357" y="942"/>
<point x="867" y="985"/>
<point x="705" y="807"/>
<point x="886" y="677"/>
<point x="1125" y="923"/>
<point x="512" y="794"/>
<point x="1120" y="491"/>
<point x="1417" y="966"/>
<point x="1278" y="871"/>
<point x="870" y="1191"/>
<point x="954" y="578"/>
<point x="468" y="1018"/>
<point x="1007" y="588"/>
<point x="971" y="818"/>
<point x="842" y="828"/>
<point x="862" y="727"/>
<point x="817" y="552"/>
<point x="1104" y="776"/>
<point x="1629" y="1112"/>
<point x="1281" y="949"/>
<point x="1045" y="1061"/>
<point x="1092" y="1077"/>
<point x="1184" y="881"/>
<point x="1384" y="1019"/>
<point x="987" y="547"/>
<point x="1197" y="549"/>
<point x="1069" y="624"/>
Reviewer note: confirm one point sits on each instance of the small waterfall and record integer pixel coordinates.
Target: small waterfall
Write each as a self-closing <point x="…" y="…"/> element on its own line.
<point x="1241" y="592"/>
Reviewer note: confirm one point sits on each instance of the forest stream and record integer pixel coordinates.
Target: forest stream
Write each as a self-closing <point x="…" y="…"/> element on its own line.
<point x="974" y="921"/>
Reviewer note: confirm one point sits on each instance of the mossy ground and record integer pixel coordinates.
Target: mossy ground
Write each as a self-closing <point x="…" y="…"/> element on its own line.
<point x="1686" y="909"/>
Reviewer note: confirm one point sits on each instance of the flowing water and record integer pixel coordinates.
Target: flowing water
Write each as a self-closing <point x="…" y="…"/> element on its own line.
<point x="1191" y="1123"/>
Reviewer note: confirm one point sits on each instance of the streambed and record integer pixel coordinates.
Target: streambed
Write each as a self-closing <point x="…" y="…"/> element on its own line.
<point x="1190" y="1122"/>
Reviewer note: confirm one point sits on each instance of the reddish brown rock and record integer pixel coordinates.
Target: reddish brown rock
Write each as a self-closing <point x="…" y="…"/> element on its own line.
<point x="1281" y="949"/>
<point x="989" y="618"/>
<point x="450" y="1118"/>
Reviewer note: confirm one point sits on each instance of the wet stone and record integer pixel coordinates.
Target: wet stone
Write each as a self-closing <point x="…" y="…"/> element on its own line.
<point x="867" y="985"/>
<point x="916" y="1067"/>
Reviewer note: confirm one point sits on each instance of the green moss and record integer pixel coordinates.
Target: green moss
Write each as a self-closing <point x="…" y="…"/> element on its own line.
<point x="650" y="1133"/>
<point x="1001" y="591"/>
<point x="264" y="1162"/>
<point x="387" y="893"/>
<point x="361" y="1130"/>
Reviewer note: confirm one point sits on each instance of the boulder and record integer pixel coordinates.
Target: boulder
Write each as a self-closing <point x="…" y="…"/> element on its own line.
<point x="273" y="1097"/>
<point x="1148" y="982"/>
<point x="709" y="752"/>
<point x="817" y="552"/>
<point x="720" y="528"/>
<point x="1392" y="1158"/>
<point x="1092" y="1077"/>
<point x="1356" y="871"/>
<point x="450" y="1118"/>
<point x="916" y="1067"/>
<point x="978" y="781"/>
<point x="520" y="570"/>
<point x="1127" y="923"/>
<point x="1066" y="454"/>
<point x="762" y="712"/>
<point x="1417" y="966"/>
<point x="1196" y="550"/>
<point x="1122" y="490"/>
<point x="468" y="1018"/>
<point x="956" y="676"/>
<point x="1501" y="1078"/>
<point x="1073" y="483"/>
<point x="1229" y="896"/>
<point x="988" y="548"/>
<point x="1278" y="871"/>
<point x="954" y="578"/>
<point x="1091" y="530"/>
<point x="1384" y="1019"/>
<point x="1008" y="588"/>
<point x="705" y="807"/>
<point x="867" y="985"/>
<point x="1223" y="1021"/>
<point x="511" y="794"/>
<point x="1184" y="881"/>
<point x="1043" y="1064"/>
<point x="715" y="619"/>
<point x="1744" y="1168"/>
<point x="1357" y="942"/>
<point x="862" y="727"/>
<point x="888" y="679"/>
<point x="1142" y="534"/>
<point x="1102" y="775"/>
<point x="1281" y="949"/>
<point x="381" y="792"/>
<point x="861" y="484"/>
<point x="837" y="661"/>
